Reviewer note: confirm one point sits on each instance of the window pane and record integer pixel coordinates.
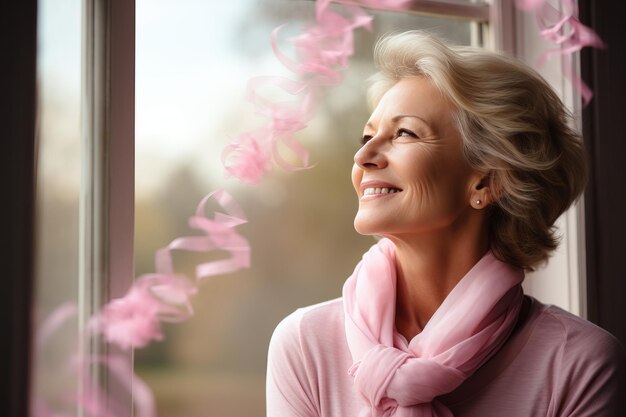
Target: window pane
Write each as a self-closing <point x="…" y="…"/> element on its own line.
<point x="193" y="61"/>
<point x="58" y="186"/>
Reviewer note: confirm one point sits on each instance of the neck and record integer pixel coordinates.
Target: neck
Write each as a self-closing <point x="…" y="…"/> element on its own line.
<point x="428" y="268"/>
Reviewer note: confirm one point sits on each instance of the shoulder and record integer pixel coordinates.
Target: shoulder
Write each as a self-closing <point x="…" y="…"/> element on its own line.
<point x="577" y="338"/>
<point x="312" y="339"/>
<point x="306" y="320"/>
<point x="589" y="364"/>
<point x="554" y="363"/>
<point x="306" y="357"/>
<point x="309" y="329"/>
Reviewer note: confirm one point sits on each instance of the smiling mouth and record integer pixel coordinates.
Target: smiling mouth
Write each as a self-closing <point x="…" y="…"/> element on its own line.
<point x="374" y="191"/>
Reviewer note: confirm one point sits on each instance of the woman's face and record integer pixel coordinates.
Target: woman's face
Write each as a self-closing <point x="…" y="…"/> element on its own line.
<point x="410" y="175"/>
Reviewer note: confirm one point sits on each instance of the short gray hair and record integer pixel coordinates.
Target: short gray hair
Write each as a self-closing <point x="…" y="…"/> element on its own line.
<point x="514" y="128"/>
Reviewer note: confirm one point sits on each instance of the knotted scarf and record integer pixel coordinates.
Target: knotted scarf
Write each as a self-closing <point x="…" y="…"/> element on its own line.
<point x="471" y="324"/>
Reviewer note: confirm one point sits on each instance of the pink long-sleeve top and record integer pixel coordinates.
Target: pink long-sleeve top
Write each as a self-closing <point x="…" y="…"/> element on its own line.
<point x="554" y="364"/>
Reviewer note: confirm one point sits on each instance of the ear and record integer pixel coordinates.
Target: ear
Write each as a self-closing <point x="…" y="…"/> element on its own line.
<point x="481" y="194"/>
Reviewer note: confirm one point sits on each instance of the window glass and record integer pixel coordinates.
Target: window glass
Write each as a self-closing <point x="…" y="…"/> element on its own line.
<point x="57" y="193"/>
<point x="194" y="58"/>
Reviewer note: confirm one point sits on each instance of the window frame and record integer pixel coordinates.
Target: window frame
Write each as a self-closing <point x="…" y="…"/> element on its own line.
<point x="106" y="224"/>
<point x="18" y="42"/>
<point x="602" y="122"/>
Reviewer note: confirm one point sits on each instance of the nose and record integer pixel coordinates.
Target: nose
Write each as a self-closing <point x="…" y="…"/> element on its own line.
<point x="371" y="155"/>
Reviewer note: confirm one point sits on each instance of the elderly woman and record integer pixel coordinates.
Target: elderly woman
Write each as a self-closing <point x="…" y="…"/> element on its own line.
<point x="466" y="162"/>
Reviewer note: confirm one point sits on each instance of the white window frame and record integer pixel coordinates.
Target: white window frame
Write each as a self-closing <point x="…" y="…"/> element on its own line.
<point x="562" y="281"/>
<point x="106" y="224"/>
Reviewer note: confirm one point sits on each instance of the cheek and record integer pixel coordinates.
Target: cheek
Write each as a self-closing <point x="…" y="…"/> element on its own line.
<point x="424" y="175"/>
<point x="434" y="185"/>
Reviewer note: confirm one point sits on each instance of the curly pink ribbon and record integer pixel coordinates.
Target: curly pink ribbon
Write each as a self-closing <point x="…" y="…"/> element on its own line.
<point x="219" y="234"/>
<point x="134" y="320"/>
<point x="321" y="53"/>
<point x="93" y="400"/>
<point x="567" y="32"/>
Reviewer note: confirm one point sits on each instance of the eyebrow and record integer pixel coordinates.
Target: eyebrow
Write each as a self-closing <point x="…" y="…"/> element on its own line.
<point x="402" y="116"/>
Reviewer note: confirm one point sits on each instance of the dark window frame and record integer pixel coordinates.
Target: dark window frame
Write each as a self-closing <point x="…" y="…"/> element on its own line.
<point x="605" y="224"/>
<point x="18" y="38"/>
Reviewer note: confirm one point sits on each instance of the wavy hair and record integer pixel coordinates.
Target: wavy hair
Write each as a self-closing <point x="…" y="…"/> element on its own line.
<point x="514" y="128"/>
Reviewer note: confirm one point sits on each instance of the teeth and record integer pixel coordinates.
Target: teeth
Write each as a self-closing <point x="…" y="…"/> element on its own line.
<point x="371" y="191"/>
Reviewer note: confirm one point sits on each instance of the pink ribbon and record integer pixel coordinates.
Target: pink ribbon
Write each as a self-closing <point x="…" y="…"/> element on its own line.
<point x="567" y="32"/>
<point x="248" y="157"/>
<point x="321" y="54"/>
<point x="219" y="234"/>
<point x="134" y="320"/>
<point x="93" y="399"/>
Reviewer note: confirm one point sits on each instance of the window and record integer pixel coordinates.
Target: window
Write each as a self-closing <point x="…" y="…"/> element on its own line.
<point x="193" y="59"/>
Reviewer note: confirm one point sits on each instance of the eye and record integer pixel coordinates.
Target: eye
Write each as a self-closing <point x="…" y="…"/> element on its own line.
<point x="405" y="133"/>
<point x="365" y="139"/>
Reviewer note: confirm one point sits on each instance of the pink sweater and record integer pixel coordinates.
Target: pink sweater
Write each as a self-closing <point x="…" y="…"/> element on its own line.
<point x="554" y="364"/>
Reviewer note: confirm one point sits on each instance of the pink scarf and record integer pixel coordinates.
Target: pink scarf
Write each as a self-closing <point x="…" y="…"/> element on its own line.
<point x="468" y="328"/>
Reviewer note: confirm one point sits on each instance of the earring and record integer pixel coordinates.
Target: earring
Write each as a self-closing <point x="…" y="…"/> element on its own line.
<point x="478" y="202"/>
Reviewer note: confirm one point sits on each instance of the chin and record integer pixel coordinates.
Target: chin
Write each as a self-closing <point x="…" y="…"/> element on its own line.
<point x="367" y="227"/>
<point x="360" y="226"/>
